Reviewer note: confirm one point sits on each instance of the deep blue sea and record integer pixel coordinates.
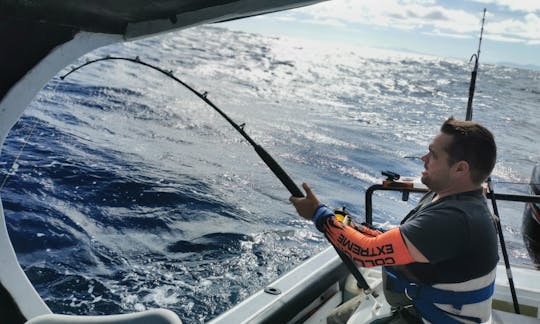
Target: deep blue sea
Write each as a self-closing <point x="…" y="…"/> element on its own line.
<point x="131" y="193"/>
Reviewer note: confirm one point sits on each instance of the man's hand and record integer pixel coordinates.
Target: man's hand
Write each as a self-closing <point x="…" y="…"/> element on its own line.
<point x="306" y="206"/>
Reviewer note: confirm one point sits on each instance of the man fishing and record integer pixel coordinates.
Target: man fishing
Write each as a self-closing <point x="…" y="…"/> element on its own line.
<point x="442" y="258"/>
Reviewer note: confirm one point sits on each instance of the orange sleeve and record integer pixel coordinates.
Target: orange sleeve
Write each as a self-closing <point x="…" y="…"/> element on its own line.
<point x="386" y="248"/>
<point x="368" y="231"/>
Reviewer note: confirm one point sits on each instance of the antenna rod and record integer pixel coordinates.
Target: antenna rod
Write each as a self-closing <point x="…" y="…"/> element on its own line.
<point x="489" y="184"/>
<point x="475" y="71"/>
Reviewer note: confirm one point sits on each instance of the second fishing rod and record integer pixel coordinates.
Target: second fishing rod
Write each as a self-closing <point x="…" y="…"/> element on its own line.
<point x="497" y="218"/>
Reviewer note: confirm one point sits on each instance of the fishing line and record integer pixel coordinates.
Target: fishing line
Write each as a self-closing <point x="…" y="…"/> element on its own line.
<point x="263" y="154"/>
<point x="15" y="165"/>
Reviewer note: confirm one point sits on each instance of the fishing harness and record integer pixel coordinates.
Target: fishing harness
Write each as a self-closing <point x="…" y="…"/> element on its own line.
<point x="422" y="296"/>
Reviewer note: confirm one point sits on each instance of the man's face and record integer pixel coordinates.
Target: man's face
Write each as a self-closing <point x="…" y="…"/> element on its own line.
<point x="437" y="173"/>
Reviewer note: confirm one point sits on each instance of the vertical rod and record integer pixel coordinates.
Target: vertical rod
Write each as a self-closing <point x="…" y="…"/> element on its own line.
<point x="472" y="85"/>
<point x="503" y="247"/>
<point x="490" y="187"/>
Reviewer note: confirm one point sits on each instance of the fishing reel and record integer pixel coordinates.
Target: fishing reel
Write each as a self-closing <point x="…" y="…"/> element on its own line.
<point x="343" y="215"/>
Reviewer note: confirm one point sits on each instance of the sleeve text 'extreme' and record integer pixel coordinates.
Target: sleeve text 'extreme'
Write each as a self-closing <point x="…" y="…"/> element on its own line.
<point x="387" y="248"/>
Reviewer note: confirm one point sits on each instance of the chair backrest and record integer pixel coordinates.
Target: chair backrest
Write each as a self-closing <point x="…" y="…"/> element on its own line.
<point x="153" y="316"/>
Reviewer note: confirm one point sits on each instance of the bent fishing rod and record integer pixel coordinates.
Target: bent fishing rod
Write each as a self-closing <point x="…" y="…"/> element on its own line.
<point x="497" y="218"/>
<point x="263" y="154"/>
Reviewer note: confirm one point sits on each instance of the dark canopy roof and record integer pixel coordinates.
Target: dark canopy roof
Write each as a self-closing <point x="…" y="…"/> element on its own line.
<point x="113" y="16"/>
<point x="29" y="30"/>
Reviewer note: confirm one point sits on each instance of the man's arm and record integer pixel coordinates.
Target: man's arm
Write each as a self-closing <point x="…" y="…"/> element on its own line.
<point x="390" y="248"/>
<point x="413" y="251"/>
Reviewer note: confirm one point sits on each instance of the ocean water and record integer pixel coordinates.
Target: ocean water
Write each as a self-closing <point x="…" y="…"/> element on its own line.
<point x="131" y="193"/>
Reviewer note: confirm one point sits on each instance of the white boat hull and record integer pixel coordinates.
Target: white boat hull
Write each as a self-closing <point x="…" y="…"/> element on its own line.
<point x="323" y="279"/>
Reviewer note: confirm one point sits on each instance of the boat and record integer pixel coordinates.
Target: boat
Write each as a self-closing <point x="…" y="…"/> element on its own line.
<point x="311" y="292"/>
<point x="57" y="33"/>
<point x="41" y="38"/>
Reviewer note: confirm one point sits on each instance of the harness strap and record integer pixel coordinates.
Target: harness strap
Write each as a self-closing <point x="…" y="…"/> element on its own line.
<point x="436" y="315"/>
<point x="424" y="297"/>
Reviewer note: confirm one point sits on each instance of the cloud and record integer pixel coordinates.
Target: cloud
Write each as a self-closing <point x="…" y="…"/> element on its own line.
<point x="437" y="32"/>
<point x="425" y="15"/>
<point x="506" y="39"/>
<point x="515" y="5"/>
<point x="282" y="18"/>
<point x="398" y="14"/>
<point x="326" y="22"/>
<point x="527" y="28"/>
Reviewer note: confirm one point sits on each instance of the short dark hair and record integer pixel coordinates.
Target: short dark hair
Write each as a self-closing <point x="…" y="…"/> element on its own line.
<point x="473" y="143"/>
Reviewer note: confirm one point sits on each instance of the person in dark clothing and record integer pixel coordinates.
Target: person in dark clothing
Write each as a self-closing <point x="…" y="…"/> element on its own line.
<point x="443" y="255"/>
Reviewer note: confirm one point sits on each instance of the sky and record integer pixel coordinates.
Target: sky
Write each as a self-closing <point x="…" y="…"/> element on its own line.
<point x="437" y="27"/>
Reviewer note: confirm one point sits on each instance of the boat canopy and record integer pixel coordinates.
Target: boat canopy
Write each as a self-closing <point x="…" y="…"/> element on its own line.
<point x="118" y="16"/>
<point x="29" y="30"/>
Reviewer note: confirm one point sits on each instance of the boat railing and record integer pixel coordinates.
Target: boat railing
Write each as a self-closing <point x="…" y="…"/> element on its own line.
<point x="407" y="186"/>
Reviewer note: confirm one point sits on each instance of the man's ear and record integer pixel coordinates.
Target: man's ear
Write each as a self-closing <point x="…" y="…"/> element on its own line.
<point x="462" y="167"/>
